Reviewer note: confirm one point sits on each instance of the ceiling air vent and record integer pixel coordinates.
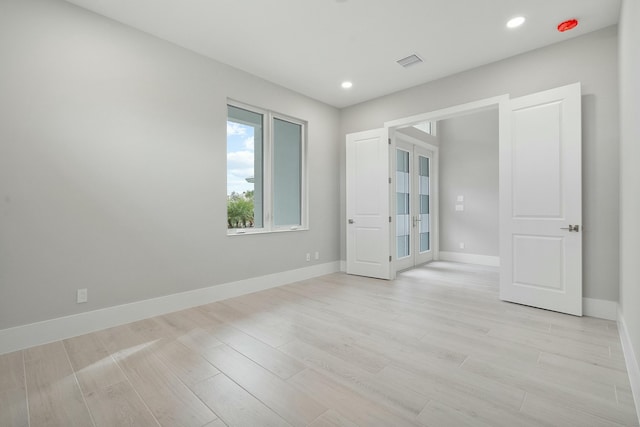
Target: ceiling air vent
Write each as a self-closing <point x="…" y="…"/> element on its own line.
<point x="409" y="60"/>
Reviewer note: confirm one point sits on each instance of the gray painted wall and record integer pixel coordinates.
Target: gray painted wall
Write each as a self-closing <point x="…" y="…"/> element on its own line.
<point x="113" y="167"/>
<point x="469" y="167"/>
<point x="630" y="172"/>
<point x="591" y="59"/>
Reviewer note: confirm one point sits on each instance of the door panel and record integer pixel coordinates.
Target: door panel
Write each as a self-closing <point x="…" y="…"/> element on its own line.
<point x="404" y="258"/>
<point x="424" y="220"/>
<point x="540" y="197"/>
<point x="546" y="273"/>
<point x="368" y="204"/>
<point x="404" y="204"/>
<point x="537" y="154"/>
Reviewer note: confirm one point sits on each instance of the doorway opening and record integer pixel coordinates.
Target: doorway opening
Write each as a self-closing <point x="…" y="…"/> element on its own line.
<point x="405" y="140"/>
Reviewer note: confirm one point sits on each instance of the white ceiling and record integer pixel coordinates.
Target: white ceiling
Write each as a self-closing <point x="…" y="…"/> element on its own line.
<point x="311" y="46"/>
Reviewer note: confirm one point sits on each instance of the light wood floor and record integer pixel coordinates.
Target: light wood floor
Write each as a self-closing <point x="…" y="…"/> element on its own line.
<point x="435" y="347"/>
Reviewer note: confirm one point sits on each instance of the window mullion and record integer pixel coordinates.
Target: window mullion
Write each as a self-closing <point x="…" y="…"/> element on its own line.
<point x="268" y="171"/>
<point x="304" y="179"/>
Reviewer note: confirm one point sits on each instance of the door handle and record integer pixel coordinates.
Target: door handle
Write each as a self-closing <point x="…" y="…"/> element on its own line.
<point x="351" y="221"/>
<point x="575" y="228"/>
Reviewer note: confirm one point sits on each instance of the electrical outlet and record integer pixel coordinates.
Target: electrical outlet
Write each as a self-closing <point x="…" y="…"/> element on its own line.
<point x="82" y="296"/>
<point x="461" y="245"/>
<point x="317" y="255"/>
<point x="459" y="207"/>
<point x="308" y="256"/>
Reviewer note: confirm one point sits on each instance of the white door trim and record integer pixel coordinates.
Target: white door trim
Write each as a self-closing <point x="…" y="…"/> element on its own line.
<point x="446" y="113"/>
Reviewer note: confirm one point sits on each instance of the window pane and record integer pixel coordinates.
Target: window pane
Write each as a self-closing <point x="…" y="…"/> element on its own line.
<point x="425" y="244"/>
<point x="287" y="173"/>
<point x="425" y="127"/>
<point x="403" y="217"/>
<point x="244" y="168"/>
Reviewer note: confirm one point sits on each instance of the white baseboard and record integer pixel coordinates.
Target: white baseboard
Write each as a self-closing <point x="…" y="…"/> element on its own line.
<point x="600" y="308"/>
<point x="21" y="337"/>
<point x="343" y="266"/>
<point x="491" y="261"/>
<point x="633" y="368"/>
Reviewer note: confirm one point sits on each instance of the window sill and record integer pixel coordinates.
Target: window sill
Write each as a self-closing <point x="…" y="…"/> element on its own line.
<point x="249" y="232"/>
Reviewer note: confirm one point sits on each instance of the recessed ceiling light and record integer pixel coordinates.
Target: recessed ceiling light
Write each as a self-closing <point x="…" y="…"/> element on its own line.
<point x="346" y="85"/>
<point x="515" y="22"/>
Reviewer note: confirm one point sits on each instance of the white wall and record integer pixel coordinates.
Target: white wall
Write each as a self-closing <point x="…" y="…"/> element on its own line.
<point x="113" y="167"/>
<point x="469" y="168"/>
<point x="591" y="59"/>
<point x="630" y="178"/>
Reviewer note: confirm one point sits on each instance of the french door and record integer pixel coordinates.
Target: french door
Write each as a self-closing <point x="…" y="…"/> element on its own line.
<point x="414" y="205"/>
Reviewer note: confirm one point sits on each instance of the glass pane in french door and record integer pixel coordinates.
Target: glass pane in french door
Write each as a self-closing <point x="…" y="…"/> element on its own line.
<point x="423" y="194"/>
<point x="403" y="214"/>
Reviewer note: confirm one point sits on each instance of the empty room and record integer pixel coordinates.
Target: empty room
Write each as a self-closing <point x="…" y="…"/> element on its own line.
<point x="319" y="213"/>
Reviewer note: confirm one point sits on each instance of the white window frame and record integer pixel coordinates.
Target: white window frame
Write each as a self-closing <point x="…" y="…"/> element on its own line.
<point x="268" y="173"/>
<point x="432" y="127"/>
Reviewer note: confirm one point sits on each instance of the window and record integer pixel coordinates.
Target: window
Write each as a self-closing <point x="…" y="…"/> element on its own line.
<point x="265" y="171"/>
<point x="427" y="127"/>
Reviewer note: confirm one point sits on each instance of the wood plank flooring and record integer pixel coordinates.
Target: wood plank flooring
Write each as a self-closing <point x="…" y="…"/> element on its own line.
<point x="433" y="348"/>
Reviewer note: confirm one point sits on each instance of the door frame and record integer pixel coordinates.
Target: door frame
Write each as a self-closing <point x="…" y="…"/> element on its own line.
<point x="501" y="102"/>
<point x="433" y="200"/>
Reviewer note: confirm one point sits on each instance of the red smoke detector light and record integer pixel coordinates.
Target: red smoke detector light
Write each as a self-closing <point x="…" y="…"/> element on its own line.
<point x="568" y="25"/>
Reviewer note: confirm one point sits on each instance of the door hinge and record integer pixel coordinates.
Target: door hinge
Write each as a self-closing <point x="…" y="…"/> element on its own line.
<point x="389" y="180"/>
<point x="389" y="258"/>
<point x="389" y="141"/>
<point x="389" y="219"/>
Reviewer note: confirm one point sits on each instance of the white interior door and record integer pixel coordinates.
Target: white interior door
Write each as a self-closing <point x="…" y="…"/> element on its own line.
<point x="540" y="201"/>
<point x="367" y="203"/>
<point x="414" y="205"/>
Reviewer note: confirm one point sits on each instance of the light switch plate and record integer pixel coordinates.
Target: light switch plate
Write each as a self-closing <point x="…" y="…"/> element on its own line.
<point x="82" y="296"/>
